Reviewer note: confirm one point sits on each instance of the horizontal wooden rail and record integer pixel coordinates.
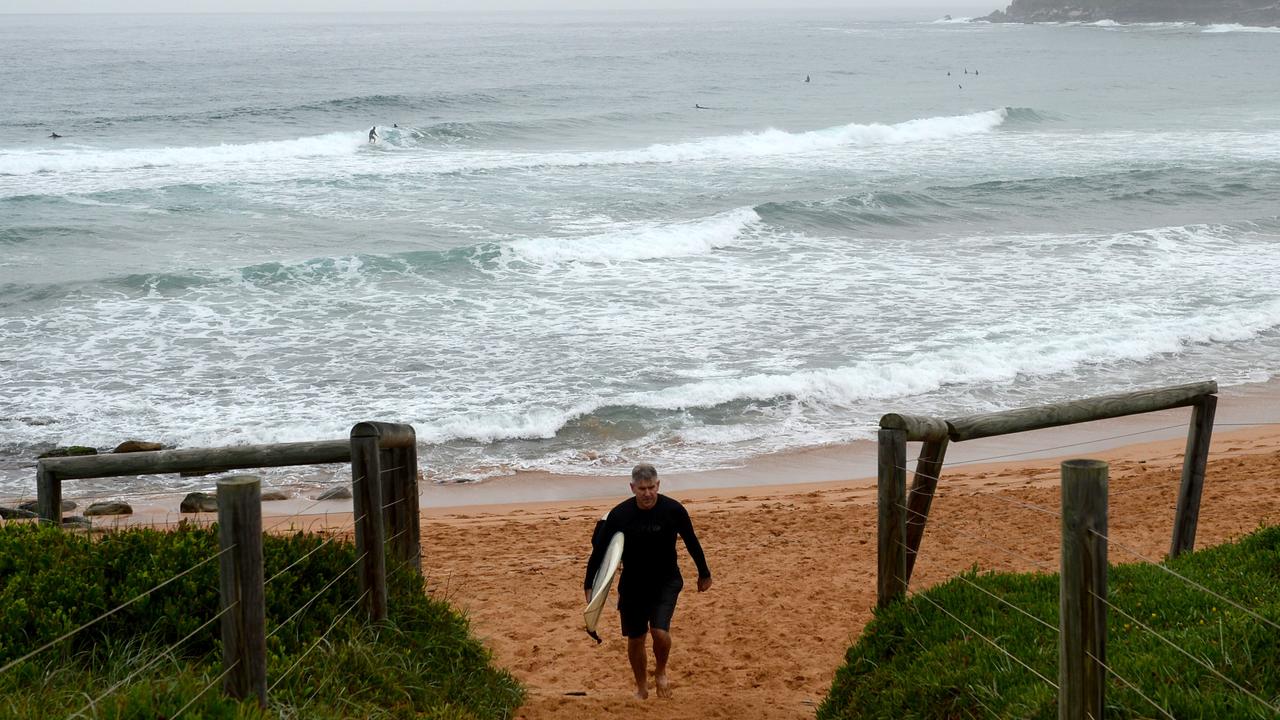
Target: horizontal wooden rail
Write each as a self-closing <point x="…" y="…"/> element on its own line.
<point x="896" y="429"/>
<point x="971" y="427"/>
<point x="197" y="459"/>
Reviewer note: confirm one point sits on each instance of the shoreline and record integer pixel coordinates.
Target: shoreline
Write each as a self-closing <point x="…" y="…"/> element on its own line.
<point x="1240" y="407"/>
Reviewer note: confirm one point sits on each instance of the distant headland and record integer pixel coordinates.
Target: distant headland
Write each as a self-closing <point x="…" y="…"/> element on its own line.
<point x="1204" y="12"/>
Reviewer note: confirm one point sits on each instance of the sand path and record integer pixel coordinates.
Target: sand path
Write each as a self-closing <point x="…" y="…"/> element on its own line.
<point x="794" y="570"/>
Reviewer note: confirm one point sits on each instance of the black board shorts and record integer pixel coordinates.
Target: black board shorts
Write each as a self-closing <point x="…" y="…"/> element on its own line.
<point x="649" y="608"/>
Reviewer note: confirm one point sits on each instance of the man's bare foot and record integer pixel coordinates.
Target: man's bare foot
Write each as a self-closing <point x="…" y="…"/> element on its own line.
<point x="642" y="693"/>
<point x="664" y="686"/>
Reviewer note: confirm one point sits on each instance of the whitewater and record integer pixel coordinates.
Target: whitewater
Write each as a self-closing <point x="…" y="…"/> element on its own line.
<point x="585" y="241"/>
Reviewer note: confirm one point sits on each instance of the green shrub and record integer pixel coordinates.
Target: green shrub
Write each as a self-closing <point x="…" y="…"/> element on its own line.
<point x="423" y="662"/>
<point x="915" y="661"/>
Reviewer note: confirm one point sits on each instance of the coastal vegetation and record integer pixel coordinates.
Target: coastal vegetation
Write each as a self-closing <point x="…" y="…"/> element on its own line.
<point x="916" y="660"/>
<point x="1243" y="12"/>
<point x="156" y="657"/>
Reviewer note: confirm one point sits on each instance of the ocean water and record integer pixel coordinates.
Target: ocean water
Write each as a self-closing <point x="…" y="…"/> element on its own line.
<point x="551" y="259"/>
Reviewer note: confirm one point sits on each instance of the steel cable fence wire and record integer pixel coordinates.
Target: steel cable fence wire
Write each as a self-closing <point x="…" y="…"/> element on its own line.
<point x="315" y="597"/>
<point x="200" y="694"/>
<point x="1011" y="501"/>
<point x="980" y="539"/>
<point x="114" y="610"/>
<point x="997" y="598"/>
<point x="158" y="656"/>
<point x="1200" y="661"/>
<point x="1129" y="685"/>
<point x="1061" y="447"/>
<point x="989" y="641"/>
<point x="319" y="640"/>
<point x="1188" y="580"/>
<point x="125" y="497"/>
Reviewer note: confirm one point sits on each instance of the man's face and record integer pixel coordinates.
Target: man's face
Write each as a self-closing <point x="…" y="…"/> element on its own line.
<point x="646" y="493"/>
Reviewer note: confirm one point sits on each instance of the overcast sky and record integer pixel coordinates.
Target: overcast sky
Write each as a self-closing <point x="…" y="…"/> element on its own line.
<point x="872" y="9"/>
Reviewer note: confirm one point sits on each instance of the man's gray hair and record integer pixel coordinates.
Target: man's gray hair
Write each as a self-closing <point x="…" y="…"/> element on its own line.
<point x="642" y="472"/>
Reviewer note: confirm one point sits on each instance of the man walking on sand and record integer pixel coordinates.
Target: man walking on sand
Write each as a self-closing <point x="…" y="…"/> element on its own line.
<point x="651" y="579"/>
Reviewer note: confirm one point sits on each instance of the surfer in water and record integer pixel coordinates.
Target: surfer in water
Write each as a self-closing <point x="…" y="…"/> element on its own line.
<point x="373" y="134"/>
<point x="54" y="135"/>
<point x="651" y="580"/>
<point x="696" y="106"/>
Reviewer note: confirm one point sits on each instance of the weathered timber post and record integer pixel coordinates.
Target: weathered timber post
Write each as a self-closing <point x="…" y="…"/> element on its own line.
<point x="366" y="491"/>
<point x="405" y="526"/>
<point x="923" y="486"/>
<point x="48" y="495"/>
<point x="1082" y="649"/>
<point x="892" y="527"/>
<point x="241" y="588"/>
<point x="1194" y="462"/>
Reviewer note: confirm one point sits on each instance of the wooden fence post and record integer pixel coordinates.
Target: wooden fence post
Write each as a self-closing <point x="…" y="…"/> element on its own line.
<point x="923" y="487"/>
<point x="1194" y="461"/>
<point x="48" y="495"/>
<point x="366" y="491"/>
<point x="240" y="584"/>
<point x="1082" y="649"/>
<point x="892" y="527"/>
<point x="404" y="526"/>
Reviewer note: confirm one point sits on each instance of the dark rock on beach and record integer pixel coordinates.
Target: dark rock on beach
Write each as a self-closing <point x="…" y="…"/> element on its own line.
<point x="129" y="446"/>
<point x="199" y="502"/>
<point x="33" y="505"/>
<point x="337" y="493"/>
<point x="76" y="521"/>
<point x="269" y="495"/>
<point x="1204" y="12"/>
<point x="108" y="507"/>
<point x="9" y="513"/>
<point x="69" y="451"/>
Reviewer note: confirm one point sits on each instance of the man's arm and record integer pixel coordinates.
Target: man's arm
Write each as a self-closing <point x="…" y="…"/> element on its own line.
<point x="685" y="528"/>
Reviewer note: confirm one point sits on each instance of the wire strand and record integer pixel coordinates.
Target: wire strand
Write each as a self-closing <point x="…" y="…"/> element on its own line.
<point x="1129" y="685"/>
<point x="157" y="658"/>
<point x="976" y="586"/>
<point x="206" y="689"/>
<point x="318" y="641"/>
<point x="112" y="611"/>
<point x="1179" y="648"/>
<point x="980" y="539"/>
<point x="1188" y="580"/>
<point x="991" y="642"/>
<point x="315" y="597"/>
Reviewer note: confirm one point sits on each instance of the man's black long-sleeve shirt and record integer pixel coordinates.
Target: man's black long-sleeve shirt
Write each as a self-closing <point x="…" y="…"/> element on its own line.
<point x="649" y="552"/>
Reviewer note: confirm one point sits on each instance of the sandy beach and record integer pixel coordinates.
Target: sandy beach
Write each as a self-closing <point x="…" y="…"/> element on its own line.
<point x="794" y="569"/>
<point x="792" y="552"/>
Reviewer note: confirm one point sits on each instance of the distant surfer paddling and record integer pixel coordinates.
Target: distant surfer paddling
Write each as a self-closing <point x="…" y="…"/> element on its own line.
<point x="651" y="580"/>
<point x="54" y="135"/>
<point x="696" y="106"/>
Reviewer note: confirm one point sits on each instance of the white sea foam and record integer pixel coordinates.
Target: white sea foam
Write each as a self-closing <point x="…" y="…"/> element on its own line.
<point x="76" y="159"/>
<point x="1234" y="28"/>
<point x="637" y="243"/>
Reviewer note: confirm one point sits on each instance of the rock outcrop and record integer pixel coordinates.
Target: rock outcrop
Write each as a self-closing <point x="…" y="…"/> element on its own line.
<point x="1204" y="12"/>
<point x="198" y="502"/>
<point x="129" y="446"/>
<point x="108" y="507"/>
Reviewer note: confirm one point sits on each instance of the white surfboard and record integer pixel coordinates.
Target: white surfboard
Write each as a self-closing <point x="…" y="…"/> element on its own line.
<point x="601" y="584"/>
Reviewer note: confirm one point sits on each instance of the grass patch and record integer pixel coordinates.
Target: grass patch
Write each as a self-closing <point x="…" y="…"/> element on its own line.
<point x="914" y="661"/>
<point x="422" y="663"/>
